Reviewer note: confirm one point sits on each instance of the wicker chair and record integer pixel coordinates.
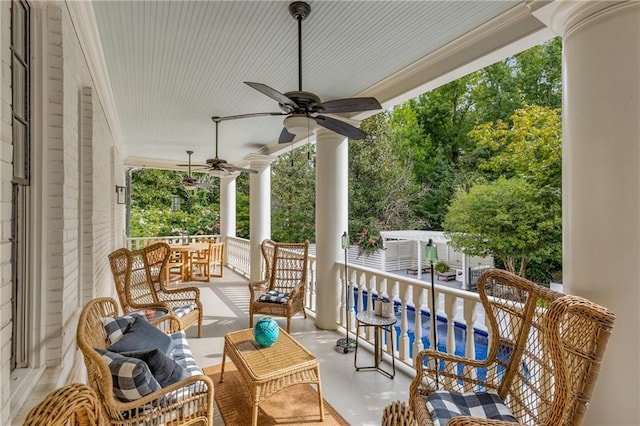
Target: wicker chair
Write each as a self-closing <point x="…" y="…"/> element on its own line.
<point x="286" y="267"/>
<point x="75" y="404"/>
<point x="169" y="405"/>
<point x="543" y="358"/>
<point x="139" y="279"/>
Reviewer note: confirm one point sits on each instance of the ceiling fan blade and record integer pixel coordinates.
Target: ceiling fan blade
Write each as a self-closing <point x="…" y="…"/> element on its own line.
<point x="348" y="105"/>
<point x="285" y="136"/>
<point x="255" y="114"/>
<point x="231" y="168"/>
<point x="272" y="93"/>
<point x="340" y="127"/>
<point x="193" y="165"/>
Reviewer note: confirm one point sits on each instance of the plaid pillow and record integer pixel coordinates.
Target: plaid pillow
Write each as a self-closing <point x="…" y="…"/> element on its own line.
<point x="444" y="405"/>
<point x="182" y="355"/>
<point x="181" y="311"/>
<point x="273" y="296"/>
<point x="131" y="377"/>
<point x="142" y="336"/>
<point x="117" y="326"/>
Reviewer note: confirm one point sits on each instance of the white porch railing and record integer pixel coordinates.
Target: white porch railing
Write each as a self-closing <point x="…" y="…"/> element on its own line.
<point x="135" y="243"/>
<point x="460" y="314"/>
<point x="238" y="253"/>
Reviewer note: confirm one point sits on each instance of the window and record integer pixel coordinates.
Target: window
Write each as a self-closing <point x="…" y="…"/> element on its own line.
<point x="20" y="216"/>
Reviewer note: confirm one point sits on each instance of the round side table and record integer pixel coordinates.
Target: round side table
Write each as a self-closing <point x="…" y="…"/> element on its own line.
<point x="379" y="323"/>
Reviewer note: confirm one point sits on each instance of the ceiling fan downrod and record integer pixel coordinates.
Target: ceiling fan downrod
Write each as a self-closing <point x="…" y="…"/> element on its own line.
<point x="299" y="10"/>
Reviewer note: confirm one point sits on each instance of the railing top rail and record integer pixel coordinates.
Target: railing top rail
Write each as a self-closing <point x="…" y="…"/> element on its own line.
<point x="412" y="281"/>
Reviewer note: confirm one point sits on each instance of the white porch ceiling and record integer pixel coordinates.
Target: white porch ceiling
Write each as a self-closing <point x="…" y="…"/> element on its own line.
<point x="174" y="64"/>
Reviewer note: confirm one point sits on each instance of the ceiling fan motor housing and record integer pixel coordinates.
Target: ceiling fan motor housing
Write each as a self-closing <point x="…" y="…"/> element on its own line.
<point x="304" y="100"/>
<point x="299" y="10"/>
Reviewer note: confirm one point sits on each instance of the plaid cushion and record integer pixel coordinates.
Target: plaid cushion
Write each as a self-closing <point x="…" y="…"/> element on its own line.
<point x="131" y="377"/>
<point x="444" y="405"/>
<point x="182" y="355"/>
<point x="181" y="311"/>
<point x="117" y="326"/>
<point x="273" y="296"/>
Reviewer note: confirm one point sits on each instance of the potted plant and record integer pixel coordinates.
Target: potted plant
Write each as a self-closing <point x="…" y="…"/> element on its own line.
<point x="442" y="267"/>
<point x="369" y="242"/>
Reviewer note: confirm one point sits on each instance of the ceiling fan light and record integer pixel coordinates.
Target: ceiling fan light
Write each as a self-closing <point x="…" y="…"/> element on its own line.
<point x="299" y="124"/>
<point x="218" y="173"/>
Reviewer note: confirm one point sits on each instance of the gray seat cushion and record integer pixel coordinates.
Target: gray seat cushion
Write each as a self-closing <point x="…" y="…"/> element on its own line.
<point x="445" y="405"/>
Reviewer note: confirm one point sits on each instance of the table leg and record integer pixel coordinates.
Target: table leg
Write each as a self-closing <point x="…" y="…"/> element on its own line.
<point x="186" y="266"/>
<point x="377" y="347"/>
<point x="355" y="355"/>
<point x="320" y="403"/>
<point x="222" y="366"/>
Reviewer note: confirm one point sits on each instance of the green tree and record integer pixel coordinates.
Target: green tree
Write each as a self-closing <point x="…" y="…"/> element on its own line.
<point x="293" y="190"/>
<point x="380" y="181"/>
<point x="152" y="212"/>
<point x="511" y="219"/>
<point x="530" y="147"/>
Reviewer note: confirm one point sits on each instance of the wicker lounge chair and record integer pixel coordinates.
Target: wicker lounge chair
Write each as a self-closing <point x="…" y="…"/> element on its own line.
<point x="543" y="359"/>
<point x="139" y="279"/>
<point x="189" y="401"/>
<point x="282" y="291"/>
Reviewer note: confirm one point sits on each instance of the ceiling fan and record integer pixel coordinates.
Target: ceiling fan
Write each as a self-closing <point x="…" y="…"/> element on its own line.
<point x="190" y="183"/>
<point x="219" y="167"/>
<point x="304" y="109"/>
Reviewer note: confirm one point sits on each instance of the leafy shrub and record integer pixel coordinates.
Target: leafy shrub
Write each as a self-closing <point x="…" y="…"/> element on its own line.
<point x="442" y="267"/>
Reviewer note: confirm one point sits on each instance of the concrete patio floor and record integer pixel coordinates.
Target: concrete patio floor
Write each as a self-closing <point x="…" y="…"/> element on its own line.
<point x="360" y="397"/>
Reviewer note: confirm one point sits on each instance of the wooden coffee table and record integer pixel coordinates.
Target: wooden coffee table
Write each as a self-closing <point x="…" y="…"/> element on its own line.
<point x="265" y="371"/>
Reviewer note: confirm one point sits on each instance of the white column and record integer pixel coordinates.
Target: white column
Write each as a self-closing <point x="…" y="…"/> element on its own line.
<point x="259" y="210"/>
<point x="331" y="221"/>
<point x="227" y="207"/>
<point x="601" y="185"/>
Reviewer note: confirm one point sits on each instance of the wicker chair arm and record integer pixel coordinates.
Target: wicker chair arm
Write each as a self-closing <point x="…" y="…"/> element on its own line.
<point x="258" y="288"/>
<point x="184" y="293"/>
<point x="475" y="421"/>
<point x="447" y="358"/>
<point x="153" y="305"/>
<point x="297" y="292"/>
<point x="398" y="414"/>
<point x="200" y="386"/>
<point x="167" y="323"/>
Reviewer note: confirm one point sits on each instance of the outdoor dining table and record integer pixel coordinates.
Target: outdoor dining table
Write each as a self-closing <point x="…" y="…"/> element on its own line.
<point x="185" y="254"/>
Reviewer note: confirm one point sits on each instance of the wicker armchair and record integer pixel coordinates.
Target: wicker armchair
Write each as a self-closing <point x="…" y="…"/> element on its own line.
<point x="71" y="405"/>
<point x="139" y="279"/>
<point x="543" y="358"/>
<point x="189" y="401"/>
<point x="286" y="267"/>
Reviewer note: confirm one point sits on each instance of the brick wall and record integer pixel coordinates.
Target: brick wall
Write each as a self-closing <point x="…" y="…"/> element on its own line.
<point x="73" y="190"/>
<point x="5" y="208"/>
